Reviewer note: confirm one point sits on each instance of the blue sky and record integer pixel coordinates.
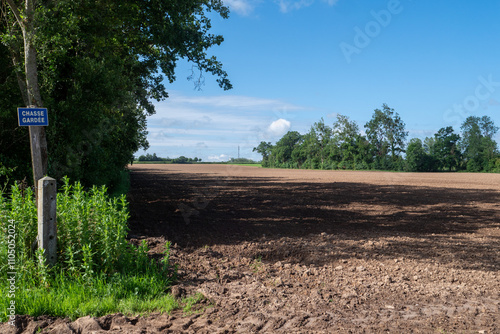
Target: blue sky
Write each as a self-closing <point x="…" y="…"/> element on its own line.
<point x="293" y="62"/>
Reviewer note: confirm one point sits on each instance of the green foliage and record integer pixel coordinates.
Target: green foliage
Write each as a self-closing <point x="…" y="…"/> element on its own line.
<point x="100" y="64"/>
<point x="445" y="149"/>
<point x="415" y="155"/>
<point x="417" y="159"/>
<point x="386" y="133"/>
<point x="495" y="165"/>
<point x="323" y="147"/>
<point x="347" y="142"/>
<point x="242" y="161"/>
<point x="97" y="271"/>
<point x="14" y="140"/>
<point x="191" y="301"/>
<point x="343" y="147"/>
<point x="180" y="160"/>
<point x="479" y="148"/>
<point x="92" y="227"/>
<point x="264" y="148"/>
<point x="150" y="157"/>
<point x="282" y="151"/>
<point x="322" y="136"/>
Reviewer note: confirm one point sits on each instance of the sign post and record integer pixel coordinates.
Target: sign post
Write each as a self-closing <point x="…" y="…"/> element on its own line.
<point x="47" y="215"/>
<point x="35" y="118"/>
<point x="32" y="116"/>
<point x="45" y="191"/>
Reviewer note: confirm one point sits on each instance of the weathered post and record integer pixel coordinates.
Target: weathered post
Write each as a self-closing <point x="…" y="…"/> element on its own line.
<point x="47" y="228"/>
<point x="36" y="119"/>
<point x="38" y="154"/>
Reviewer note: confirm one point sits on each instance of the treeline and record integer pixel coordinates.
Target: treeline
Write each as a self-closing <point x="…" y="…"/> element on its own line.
<point x="242" y="161"/>
<point x="384" y="146"/>
<point x="180" y="160"/>
<point x="183" y="160"/>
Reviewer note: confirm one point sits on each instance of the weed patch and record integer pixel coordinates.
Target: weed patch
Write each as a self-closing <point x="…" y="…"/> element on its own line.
<point x="97" y="272"/>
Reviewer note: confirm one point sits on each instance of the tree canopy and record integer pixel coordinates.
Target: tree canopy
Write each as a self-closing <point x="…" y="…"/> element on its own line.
<point x="477" y="142"/>
<point x="100" y="67"/>
<point x="384" y="147"/>
<point x="386" y="132"/>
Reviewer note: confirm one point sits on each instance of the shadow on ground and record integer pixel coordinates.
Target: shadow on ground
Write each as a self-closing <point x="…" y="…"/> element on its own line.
<point x="194" y="210"/>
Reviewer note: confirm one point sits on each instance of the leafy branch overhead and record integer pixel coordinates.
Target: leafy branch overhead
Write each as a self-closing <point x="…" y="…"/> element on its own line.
<point x="100" y="66"/>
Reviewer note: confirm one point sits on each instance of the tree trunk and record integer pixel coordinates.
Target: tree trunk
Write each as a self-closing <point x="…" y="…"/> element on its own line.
<point x="37" y="133"/>
<point x="38" y="138"/>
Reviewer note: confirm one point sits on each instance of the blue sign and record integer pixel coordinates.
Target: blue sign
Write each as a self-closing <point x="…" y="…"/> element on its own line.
<point x="33" y="116"/>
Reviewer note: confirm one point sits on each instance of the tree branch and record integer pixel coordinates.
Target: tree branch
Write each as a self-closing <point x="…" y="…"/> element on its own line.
<point x="20" y="81"/>
<point x="16" y="12"/>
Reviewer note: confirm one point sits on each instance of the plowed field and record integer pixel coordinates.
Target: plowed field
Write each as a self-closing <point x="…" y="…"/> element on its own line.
<point x="298" y="251"/>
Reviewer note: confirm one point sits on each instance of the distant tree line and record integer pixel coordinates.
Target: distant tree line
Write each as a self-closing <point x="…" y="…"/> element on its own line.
<point x="242" y="161"/>
<point x="383" y="147"/>
<point x="180" y="160"/>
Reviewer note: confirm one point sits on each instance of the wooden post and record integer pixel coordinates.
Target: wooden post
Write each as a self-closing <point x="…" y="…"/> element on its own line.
<point x="38" y="154"/>
<point x="47" y="227"/>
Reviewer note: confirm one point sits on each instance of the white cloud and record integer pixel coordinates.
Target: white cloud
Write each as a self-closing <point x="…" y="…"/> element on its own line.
<point x="279" y="127"/>
<point x="242" y="7"/>
<point x="420" y="133"/>
<point x="221" y="157"/>
<point x="234" y="101"/>
<point x="289" y="5"/>
<point x="212" y="127"/>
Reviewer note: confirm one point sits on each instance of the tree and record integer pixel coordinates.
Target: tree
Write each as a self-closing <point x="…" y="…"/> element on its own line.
<point x="346" y="139"/>
<point x="417" y="159"/>
<point x="344" y="129"/>
<point x="181" y="160"/>
<point x="265" y="149"/>
<point x="386" y="133"/>
<point x="429" y="144"/>
<point x="282" y="150"/>
<point x="415" y="155"/>
<point x="100" y="65"/>
<point x="362" y="159"/>
<point x="479" y="148"/>
<point x="321" y="135"/>
<point x="24" y="20"/>
<point x="445" y="148"/>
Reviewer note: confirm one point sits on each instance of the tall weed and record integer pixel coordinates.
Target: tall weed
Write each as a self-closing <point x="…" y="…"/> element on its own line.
<point x="93" y="256"/>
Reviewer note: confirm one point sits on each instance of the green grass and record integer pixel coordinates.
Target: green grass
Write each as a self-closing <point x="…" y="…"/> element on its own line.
<point x="128" y="294"/>
<point x="98" y="272"/>
<point x="190" y="302"/>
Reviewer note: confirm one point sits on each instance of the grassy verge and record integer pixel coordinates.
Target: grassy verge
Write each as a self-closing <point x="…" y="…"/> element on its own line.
<point x="98" y="271"/>
<point x="73" y="298"/>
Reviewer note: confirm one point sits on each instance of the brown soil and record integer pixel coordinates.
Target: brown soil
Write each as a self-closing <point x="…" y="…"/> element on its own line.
<point x="291" y="251"/>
